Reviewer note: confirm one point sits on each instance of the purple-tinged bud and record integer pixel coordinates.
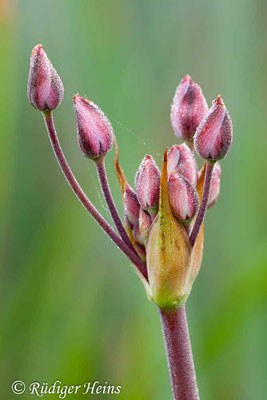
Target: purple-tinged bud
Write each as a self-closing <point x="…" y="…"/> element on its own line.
<point x="215" y="185"/>
<point x="95" y="133"/>
<point x="188" y="109"/>
<point x="131" y="205"/>
<point x="45" y="88"/>
<point x="183" y="198"/>
<point x="140" y="251"/>
<point x="147" y="183"/>
<point x="145" y="222"/>
<point x="181" y="159"/>
<point x="138" y="235"/>
<point x="214" y="135"/>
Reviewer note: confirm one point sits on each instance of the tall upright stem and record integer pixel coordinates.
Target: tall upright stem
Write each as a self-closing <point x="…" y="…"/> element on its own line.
<point x="48" y="117"/>
<point x="100" y="165"/>
<point x="179" y="354"/>
<point x="204" y="203"/>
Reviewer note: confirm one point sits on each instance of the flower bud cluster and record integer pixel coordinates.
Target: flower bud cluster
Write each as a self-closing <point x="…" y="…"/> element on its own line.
<point x="162" y="205"/>
<point x="141" y="207"/>
<point x="163" y="208"/>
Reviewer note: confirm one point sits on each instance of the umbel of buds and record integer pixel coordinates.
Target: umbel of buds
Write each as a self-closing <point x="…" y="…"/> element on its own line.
<point x="45" y="88"/>
<point x="162" y="230"/>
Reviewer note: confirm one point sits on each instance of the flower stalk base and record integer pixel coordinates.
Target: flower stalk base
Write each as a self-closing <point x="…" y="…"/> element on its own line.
<point x="179" y="354"/>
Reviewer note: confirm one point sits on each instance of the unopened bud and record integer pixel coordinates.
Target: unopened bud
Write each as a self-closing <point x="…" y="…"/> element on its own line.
<point x="147" y="183"/>
<point x="183" y="198"/>
<point x="214" y="135"/>
<point x="95" y="133"/>
<point x="145" y="222"/>
<point x="181" y="159"/>
<point x="45" y="88"/>
<point x="188" y="109"/>
<point x="131" y="205"/>
<point x="138" y="235"/>
<point x="215" y="185"/>
<point x="141" y="251"/>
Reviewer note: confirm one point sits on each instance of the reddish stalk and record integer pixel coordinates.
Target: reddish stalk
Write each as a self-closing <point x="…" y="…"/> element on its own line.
<point x="48" y="117"/>
<point x="179" y="354"/>
<point x="100" y="165"/>
<point x="204" y="203"/>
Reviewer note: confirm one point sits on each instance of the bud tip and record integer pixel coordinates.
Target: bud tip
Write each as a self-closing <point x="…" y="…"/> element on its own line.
<point x="187" y="78"/>
<point x="165" y="157"/>
<point x="219" y="101"/>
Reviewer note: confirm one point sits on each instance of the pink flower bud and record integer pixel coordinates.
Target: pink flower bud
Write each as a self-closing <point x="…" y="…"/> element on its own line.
<point x="131" y="205"/>
<point x="215" y="185"/>
<point x="95" y="133"/>
<point x="182" y="160"/>
<point x="214" y="135"/>
<point x="147" y="183"/>
<point x="45" y="88"/>
<point x="183" y="197"/>
<point x="188" y="109"/>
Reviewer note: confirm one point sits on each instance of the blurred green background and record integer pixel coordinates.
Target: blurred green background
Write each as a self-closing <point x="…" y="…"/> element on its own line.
<point x="71" y="308"/>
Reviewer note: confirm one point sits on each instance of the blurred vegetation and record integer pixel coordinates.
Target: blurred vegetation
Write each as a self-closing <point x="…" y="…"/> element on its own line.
<point x="71" y="306"/>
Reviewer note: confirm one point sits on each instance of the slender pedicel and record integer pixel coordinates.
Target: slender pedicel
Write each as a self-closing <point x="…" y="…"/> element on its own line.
<point x="48" y="117"/>
<point x="100" y="165"/>
<point x="212" y="142"/>
<point x="95" y="137"/>
<point x="204" y="203"/>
